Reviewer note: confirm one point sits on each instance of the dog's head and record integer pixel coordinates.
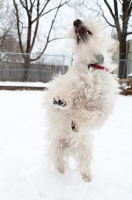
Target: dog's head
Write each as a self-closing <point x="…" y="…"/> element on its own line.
<point x="81" y="31"/>
<point x="91" y="40"/>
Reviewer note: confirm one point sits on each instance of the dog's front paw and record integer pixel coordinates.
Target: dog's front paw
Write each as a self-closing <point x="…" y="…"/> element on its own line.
<point x="59" y="102"/>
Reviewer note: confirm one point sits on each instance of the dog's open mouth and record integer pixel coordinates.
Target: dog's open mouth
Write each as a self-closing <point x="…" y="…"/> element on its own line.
<point x="81" y="31"/>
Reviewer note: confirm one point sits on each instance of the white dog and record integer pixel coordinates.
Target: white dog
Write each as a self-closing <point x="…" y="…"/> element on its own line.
<point x="82" y="99"/>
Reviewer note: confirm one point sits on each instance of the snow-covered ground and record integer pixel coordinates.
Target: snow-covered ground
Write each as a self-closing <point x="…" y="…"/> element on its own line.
<point x="24" y="173"/>
<point x="25" y="84"/>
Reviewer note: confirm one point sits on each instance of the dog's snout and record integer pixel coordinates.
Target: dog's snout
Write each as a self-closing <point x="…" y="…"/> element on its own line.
<point x="77" y="22"/>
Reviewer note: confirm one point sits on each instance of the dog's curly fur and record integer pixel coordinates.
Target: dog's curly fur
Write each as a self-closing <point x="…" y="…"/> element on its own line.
<point x="82" y="99"/>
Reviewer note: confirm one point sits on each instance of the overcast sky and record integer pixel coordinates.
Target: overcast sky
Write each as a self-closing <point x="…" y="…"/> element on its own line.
<point x="66" y="18"/>
<point x="64" y="22"/>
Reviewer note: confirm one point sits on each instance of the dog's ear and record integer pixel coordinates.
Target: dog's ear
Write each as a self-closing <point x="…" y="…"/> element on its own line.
<point x="113" y="46"/>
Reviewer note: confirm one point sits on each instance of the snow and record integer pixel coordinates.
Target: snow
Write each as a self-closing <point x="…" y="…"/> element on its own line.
<point x="129" y="74"/>
<point x="25" y="84"/>
<point x="24" y="172"/>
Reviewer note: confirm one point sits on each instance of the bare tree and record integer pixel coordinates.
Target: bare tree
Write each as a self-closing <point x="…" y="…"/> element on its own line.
<point x="9" y="44"/>
<point x="9" y="48"/>
<point x="6" y="22"/>
<point x="33" y="11"/>
<point x="121" y="23"/>
<point x="121" y="12"/>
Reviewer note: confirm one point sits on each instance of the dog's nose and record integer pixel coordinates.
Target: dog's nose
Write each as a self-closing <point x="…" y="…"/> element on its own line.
<point x="77" y="22"/>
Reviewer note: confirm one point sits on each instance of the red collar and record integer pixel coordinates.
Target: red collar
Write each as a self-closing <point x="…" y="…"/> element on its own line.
<point x="96" y="66"/>
<point x="100" y="67"/>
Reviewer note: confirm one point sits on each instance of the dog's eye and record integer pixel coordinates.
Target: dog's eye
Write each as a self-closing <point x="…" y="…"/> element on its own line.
<point x="89" y="32"/>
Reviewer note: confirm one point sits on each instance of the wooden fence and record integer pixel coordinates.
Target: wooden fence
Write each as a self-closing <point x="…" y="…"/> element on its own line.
<point x="12" y="71"/>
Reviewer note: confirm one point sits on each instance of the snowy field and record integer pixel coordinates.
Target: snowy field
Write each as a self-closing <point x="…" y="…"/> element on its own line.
<point x="24" y="173"/>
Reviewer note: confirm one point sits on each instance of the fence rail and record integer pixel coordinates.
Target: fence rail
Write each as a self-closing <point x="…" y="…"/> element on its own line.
<point x="13" y="67"/>
<point x="18" y="75"/>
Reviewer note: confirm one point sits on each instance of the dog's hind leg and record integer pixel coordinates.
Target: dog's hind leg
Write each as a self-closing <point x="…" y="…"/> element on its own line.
<point x="84" y="158"/>
<point x="56" y="154"/>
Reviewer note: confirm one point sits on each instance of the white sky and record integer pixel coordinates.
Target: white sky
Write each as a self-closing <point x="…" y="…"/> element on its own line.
<point x="68" y="15"/>
<point x="64" y="21"/>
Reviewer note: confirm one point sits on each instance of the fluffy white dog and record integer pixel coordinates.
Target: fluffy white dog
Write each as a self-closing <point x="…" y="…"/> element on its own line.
<point x="82" y="99"/>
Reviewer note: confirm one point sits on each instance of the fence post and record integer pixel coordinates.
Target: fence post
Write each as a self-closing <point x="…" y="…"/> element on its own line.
<point x="128" y="66"/>
<point x="63" y="64"/>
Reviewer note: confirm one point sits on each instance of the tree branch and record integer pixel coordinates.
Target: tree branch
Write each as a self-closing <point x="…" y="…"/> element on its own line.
<point x="116" y="9"/>
<point x="116" y="20"/>
<point x="56" y="39"/>
<point x="129" y="33"/>
<point x="40" y="14"/>
<point x="130" y="8"/>
<point x="18" y="28"/>
<point x="23" y="5"/>
<point x="47" y="40"/>
<point x="36" y="27"/>
<point x="120" y="1"/>
<point x="103" y="15"/>
<point x="108" y="6"/>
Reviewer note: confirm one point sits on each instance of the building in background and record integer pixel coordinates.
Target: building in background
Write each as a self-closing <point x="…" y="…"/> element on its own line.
<point x="127" y="61"/>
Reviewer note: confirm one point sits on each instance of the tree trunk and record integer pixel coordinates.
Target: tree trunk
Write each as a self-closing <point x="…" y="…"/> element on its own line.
<point x="26" y="68"/>
<point x="122" y="73"/>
